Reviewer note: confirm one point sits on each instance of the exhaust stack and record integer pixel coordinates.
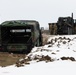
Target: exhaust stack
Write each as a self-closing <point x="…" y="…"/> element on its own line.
<point x="72" y="15"/>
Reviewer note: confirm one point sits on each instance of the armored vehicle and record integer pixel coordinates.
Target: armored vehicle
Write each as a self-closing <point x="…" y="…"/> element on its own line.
<point x="20" y="35"/>
<point x="65" y="25"/>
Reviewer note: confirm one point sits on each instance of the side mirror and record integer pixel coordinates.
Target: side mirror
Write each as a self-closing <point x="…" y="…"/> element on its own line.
<point x="42" y="29"/>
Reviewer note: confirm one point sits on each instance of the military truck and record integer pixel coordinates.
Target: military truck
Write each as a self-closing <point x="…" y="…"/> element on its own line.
<point x="20" y="35"/>
<point x="64" y="26"/>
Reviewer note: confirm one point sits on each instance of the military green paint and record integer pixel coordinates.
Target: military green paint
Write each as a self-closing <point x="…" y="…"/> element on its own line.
<point x="11" y="44"/>
<point x="18" y="23"/>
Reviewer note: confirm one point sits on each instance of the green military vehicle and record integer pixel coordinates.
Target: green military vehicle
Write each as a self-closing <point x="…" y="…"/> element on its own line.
<point x="20" y="35"/>
<point x="65" y="25"/>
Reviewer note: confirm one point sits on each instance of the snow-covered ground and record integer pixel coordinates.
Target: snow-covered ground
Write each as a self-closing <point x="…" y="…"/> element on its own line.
<point x="57" y="57"/>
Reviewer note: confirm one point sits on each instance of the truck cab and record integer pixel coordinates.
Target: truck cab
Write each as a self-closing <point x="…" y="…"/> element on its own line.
<point x="20" y="35"/>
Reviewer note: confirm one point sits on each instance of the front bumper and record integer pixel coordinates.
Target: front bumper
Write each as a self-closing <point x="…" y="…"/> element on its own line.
<point x="16" y="47"/>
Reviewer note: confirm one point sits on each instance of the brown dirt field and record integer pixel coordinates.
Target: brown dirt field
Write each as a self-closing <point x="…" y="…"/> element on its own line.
<point x="9" y="58"/>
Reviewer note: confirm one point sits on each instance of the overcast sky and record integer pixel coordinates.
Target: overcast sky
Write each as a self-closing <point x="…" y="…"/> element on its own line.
<point x="44" y="11"/>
